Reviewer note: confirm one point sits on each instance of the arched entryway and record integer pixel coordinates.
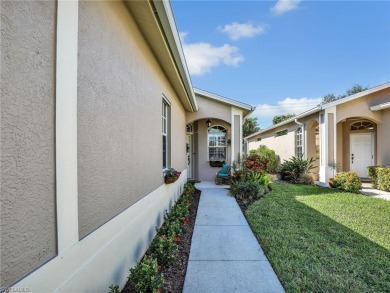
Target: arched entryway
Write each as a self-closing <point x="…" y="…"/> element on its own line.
<point x="207" y="143"/>
<point x="356" y="144"/>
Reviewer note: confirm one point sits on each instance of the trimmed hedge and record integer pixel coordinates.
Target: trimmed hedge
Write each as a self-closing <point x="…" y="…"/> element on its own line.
<point x="348" y="181"/>
<point x="380" y="176"/>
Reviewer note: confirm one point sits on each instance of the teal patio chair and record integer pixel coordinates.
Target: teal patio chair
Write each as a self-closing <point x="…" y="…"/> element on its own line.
<point x="223" y="176"/>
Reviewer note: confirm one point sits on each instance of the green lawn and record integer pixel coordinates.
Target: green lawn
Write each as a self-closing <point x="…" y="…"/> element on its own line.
<point x="320" y="240"/>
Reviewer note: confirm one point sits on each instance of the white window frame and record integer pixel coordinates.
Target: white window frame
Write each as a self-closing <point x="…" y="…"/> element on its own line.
<point x="216" y="146"/>
<point x="165" y="131"/>
<point x="299" y="141"/>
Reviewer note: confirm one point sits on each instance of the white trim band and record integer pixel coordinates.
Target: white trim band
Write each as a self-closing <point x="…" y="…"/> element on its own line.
<point x="66" y="124"/>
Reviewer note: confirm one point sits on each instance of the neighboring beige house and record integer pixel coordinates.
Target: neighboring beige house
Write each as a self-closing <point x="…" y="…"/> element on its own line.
<point x="96" y="100"/>
<point x="354" y="132"/>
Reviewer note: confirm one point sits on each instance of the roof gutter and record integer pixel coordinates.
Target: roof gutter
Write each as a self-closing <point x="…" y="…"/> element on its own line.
<point x="167" y="20"/>
<point x="224" y="100"/>
<point x="380" y="107"/>
<point x="293" y="119"/>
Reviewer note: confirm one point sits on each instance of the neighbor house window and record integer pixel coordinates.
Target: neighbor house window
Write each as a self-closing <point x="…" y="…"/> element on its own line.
<point x="217" y="143"/>
<point x="282" y="132"/>
<point x="165" y="132"/>
<point x="298" y="142"/>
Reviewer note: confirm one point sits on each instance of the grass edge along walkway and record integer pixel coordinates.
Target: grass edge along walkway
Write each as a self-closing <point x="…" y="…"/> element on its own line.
<point x="321" y="240"/>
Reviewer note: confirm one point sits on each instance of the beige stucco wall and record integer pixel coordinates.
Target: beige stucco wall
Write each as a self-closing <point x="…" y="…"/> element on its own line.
<point x="204" y="171"/>
<point x="27" y="217"/>
<point x="120" y="87"/>
<point x="284" y="146"/>
<point x="360" y="107"/>
<point x="383" y="139"/>
<point x="210" y="109"/>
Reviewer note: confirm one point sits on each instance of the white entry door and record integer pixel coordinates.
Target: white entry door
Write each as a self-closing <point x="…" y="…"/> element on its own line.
<point x="362" y="152"/>
<point x="189" y="155"/>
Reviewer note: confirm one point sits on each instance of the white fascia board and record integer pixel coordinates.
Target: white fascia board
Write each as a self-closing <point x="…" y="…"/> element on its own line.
<point x="380" y="107"/>
<point x="224" y="100"/>
<point x="358" y="95"/>
<point x="304" y="114"/>
<point x="168" y="23"/>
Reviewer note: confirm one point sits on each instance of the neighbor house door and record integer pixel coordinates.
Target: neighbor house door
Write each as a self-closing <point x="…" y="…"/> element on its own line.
<point x="362" y="152"/>
<point x="189" y="155"/>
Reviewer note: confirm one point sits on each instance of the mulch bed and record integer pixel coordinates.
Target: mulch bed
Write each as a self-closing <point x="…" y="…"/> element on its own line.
<point x="174" y="275"/>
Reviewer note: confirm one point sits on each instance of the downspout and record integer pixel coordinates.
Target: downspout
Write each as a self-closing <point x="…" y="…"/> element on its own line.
<point x="303" y="136"/>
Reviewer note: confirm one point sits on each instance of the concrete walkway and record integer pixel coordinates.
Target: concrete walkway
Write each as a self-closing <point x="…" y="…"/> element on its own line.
<point x="372" y="192"/>
<point x="225" y="255"/>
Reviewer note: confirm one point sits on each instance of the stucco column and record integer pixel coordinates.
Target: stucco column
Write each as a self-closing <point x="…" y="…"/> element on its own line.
<point x="328" y="144"/>
<point x="236" y="133"/>
<point x="66" y="124"/>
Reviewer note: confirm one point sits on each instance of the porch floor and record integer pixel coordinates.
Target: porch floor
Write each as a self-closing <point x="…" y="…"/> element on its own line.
<point x="225" y="255"/>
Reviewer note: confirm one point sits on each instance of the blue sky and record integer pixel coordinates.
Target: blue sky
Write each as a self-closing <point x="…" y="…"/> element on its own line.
<point x="284" y="56"/>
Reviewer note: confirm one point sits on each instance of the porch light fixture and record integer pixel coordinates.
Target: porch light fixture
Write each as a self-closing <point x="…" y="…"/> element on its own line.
<point x="208" y="123"/>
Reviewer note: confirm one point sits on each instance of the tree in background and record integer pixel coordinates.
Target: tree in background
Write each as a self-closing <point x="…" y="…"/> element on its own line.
<point x="280" y="118"/>
<point x="250" y="126"/>
<point x="357" y="88"/>
<point x="329" y="98"/>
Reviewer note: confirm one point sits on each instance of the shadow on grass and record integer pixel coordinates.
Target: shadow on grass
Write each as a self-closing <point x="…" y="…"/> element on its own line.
<point x="311" y="252"/>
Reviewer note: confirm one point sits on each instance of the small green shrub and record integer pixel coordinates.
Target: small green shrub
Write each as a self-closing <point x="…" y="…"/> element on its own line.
<point x="247" y="190"/>
<point x="306" y="179"/>
<point x="178" y="211"/>
<point x="380" y="177"/>
<point x="348" y="181"/>
<point x="146" y="276"/>
<point x="383" y="178"/>
<point x="371" y="170"/>
<point x="114" y="289"/>
<point x="266" y="154"/>
<point x="164" y="249"/>
<point x="256" y="163"/>
<point x="189" y="188"/>
<point x="254" y="176"/>
<point x="172" y="227"/>
<point x="293" y="169"/>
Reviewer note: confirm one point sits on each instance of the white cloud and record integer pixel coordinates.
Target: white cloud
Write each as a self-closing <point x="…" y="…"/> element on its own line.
<point x="237" y="31"/>
<point x="202" y="57"/>
<point x="265" y="112"/>
<point x="283" y="6"/>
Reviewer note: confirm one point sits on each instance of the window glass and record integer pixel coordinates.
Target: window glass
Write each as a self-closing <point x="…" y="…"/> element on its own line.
<point x="362" y="125"/>
<point x="165" y="133"/>
<point x="298" y="142"/>
<point x="217" y="143"/>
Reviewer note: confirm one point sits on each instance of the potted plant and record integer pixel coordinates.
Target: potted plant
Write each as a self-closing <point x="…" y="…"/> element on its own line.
<point x="333" y="165"/>
<point x="171" y="175"/>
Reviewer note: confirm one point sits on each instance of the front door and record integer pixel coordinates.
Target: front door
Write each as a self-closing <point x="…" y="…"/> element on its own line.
<point x="362" y="152"/>
<point x="189" y="156"/>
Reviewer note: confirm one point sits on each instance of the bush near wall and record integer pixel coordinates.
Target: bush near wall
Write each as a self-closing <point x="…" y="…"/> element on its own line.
<point x="380" y="177"/>
<point x="249" y="179"/>
<point x="163" y="250"/>
<point x="296" y="170"/>
<point x="267" y="154"/>
<point x="348" y="181"/>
